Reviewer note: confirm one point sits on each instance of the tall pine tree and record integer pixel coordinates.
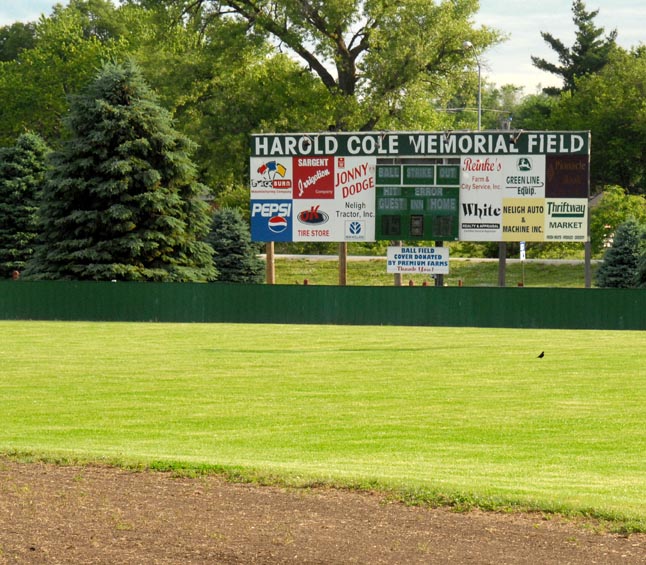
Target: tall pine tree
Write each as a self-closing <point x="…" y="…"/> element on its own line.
<point x="235" y="256"/>
<point x="22" y="174"/>
<point x="641" y="269"/>
<point x="123" y="202"/>
<point x="620" y="265"/>
<point x="588" y="55"/>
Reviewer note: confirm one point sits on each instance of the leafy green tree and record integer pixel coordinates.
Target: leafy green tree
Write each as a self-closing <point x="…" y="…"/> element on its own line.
<point x="22" y="174"/>
<point x="588" y="54"/>
<point x="123" y="201"/>
<point x="221" y="82"/>
<point x="230" y="87"/>
<point x="16" y="38"/>
<point x="620" y="262"/>
<point x="235" y="255"/>
<point x="641" y="270"/>
<point x="611" y="105"/>
<point x="64" y="54"/>
<point x="101" y="19"/>
<point x="377" y="60"/>
<point x="615" y="207"/>
<point x="534" y="112"/>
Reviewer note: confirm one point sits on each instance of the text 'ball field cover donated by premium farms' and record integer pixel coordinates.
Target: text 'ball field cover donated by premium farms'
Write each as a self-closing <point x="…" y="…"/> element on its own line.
<point x="468" y="186"/>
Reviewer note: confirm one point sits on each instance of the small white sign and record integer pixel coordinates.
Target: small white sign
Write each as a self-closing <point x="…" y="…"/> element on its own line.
<point x="418" y="260"/>
<point x="522" y="250"/>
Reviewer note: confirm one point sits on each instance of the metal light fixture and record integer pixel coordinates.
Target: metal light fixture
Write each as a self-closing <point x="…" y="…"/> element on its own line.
<point x="468" y="46"/>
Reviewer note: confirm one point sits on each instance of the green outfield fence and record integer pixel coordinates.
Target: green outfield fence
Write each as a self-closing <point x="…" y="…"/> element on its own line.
<point x="612" y="309"/>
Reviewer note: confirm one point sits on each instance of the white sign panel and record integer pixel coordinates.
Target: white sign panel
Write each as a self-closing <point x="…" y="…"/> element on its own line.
<point x="271" y="179"/>
<point x="566" y="219"/>
<point x="418" y="260"/>
<point x="334" y="199"/>
<point x="523" y="176"/>
<point x="481" y="194"/>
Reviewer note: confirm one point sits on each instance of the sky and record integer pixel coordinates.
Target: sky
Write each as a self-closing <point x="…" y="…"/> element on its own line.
<point x="522" y="20"/>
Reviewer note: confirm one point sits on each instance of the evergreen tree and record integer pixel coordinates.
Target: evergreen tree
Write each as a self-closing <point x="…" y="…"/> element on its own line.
<point x="620" y="262"/>
<point x="122" y="201"/>
<point x="22" y="174"/>
<point x="588" y="55"/>
<point x="641" y="269"/>
<point x="235" y="255"/>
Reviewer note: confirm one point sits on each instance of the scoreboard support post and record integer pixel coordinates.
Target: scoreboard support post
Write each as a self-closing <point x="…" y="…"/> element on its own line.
<point x="397" y="276"/>
<point x="343" y="263"/>
<point x="439" y="279"/>
<point x="502" y="262"/>
<point x="270" y="263"/>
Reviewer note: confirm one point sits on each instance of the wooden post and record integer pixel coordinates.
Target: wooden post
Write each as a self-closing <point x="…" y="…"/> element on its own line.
<point x="588" y="245"/>
<point x="588" y="264"/>
<point x="270" y="263"/>
<point x="343" y="263"/>
<point x="502" y="262"/>
<point x="439" y="279"/>
<point x="397" y="276"/>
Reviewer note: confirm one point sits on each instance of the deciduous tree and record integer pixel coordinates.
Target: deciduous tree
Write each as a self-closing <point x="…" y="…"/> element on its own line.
<point x="61" y="58"/>
<point x="614" y="208"/>
<point x="377" y="59"/>
<point x="15" y="38"/>
<point x="611" y="105"/>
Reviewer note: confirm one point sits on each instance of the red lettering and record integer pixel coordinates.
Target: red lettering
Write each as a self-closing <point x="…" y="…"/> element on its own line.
<point x="477" y="165"/>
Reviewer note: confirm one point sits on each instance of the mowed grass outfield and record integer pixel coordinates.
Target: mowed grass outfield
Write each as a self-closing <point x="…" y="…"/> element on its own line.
<point x="468" y="417"/>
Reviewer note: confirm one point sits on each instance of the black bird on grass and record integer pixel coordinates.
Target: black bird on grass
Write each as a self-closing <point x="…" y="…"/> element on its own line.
<point x="541" y="354"/>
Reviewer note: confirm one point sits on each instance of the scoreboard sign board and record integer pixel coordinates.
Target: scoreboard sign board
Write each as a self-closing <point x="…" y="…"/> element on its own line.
<point x="417" y="202"/>
<point x="417" y="186"/>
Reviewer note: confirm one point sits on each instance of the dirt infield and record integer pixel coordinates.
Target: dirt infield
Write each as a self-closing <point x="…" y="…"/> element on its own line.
<point x="61" y="514"/>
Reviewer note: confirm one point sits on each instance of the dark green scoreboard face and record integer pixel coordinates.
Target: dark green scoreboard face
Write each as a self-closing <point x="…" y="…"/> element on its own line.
<point x="417" y="202"/>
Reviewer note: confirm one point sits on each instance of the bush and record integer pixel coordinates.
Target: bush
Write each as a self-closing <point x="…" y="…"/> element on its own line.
<point x="619" y="268"/>
<point x="235" y="255"/>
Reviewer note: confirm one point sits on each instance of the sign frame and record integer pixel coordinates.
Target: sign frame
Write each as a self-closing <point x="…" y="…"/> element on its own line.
<point x="512" y="186"/>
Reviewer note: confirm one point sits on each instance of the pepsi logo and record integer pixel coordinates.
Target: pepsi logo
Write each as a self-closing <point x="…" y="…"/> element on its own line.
<point x="277" y="224"/>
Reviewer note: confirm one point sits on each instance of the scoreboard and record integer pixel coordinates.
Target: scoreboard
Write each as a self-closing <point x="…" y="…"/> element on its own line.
<point x="417" y="202"/>
<point x="420" y="186"/>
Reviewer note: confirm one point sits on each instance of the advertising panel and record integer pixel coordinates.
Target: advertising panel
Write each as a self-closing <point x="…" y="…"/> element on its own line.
<point x="418" y="260"/>
<point x="314" y="177"/>
<point x="271" y="178"/>
<point x="566" y="219"/>
<point x="481" y="194"/>
<point x="325" y="198"/>
<point x="523" y="219"/>
<point x="567" y="176"/>
<point x="523" y="205"/>
<point x="271" y="220"/>
<point x="356" y="198"/>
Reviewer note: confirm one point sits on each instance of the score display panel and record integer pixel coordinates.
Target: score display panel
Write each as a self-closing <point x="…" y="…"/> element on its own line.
<point x="418" y="186"/>
<point x="417" y="201"/>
